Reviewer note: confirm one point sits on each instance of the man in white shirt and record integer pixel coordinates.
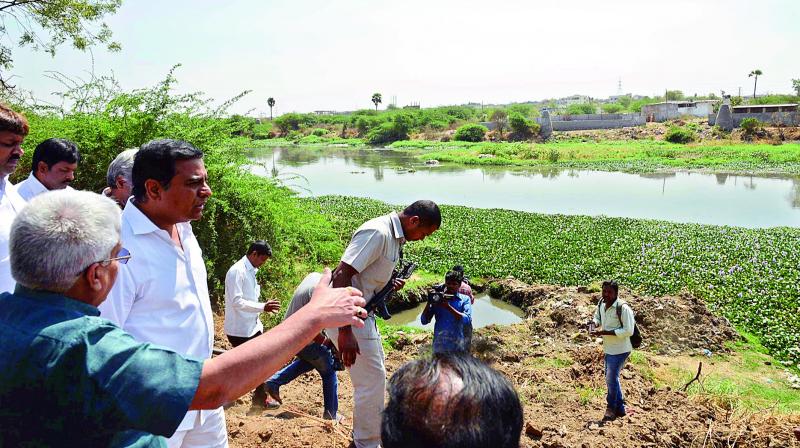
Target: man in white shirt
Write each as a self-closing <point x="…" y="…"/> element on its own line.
<point x="13" y="130"/>
<point x="242" y="308"/>
<point x="615" y="322"/>
<point x="161" y="295"/>
<point x="118" y="177"/>
<point x="367" y="264"/>
<point x="52" y="168"/>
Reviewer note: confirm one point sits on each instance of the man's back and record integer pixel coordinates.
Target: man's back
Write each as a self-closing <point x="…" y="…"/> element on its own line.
<point x="69" y="378"/>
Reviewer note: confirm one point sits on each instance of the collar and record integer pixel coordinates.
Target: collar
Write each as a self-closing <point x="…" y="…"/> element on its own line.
<point x="3" y="183"/>
<point x="38" y="187"/>
<point x="56" y="299"/>
<point x="139" y="222"/>
<point x="249" y="266"/>
<point x="397" y="227"/>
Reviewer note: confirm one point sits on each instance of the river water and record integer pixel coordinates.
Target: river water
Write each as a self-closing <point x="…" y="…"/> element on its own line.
<point x="485" y="311"/>
<point x="397" y="178"/>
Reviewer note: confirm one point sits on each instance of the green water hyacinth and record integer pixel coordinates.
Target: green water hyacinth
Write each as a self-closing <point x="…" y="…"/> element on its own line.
<point x="751" y="276"/>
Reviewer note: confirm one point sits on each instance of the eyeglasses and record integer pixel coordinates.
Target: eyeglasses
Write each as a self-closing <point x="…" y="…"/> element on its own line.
<point x="123" y="256"/>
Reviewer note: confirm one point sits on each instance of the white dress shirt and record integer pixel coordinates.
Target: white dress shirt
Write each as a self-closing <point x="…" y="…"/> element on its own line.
<point x="10" y="205"/>
<point x="161" y="294"/>
<point x="242" y="307"/>
<point x="608" y="320"/>
<point x="31" y="187"/>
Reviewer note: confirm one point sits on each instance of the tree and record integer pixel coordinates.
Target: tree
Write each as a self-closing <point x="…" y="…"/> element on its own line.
<point x="796" y="86"/>
<point x="500" y="119"/>
<point x="755" y="73"/>
<point x="46" y="24"/>
<point x="376" y="99"/>
<point x="271" y="104"/>
<point x="674" y="95"/>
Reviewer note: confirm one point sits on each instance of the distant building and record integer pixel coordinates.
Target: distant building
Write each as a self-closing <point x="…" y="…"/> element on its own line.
<point x="763" y="108"/>
<point x="670" y="110"/>
<point x="325" y="112"/>
<point x="574" y="99"/>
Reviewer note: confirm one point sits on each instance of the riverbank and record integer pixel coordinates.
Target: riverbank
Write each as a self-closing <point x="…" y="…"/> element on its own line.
<point x="633" y="156"/>
<point x="748" y="275"/>
<point x="556" y="369"/>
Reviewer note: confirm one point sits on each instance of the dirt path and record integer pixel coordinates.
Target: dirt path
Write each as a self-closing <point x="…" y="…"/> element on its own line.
<point x="557" y="371"/>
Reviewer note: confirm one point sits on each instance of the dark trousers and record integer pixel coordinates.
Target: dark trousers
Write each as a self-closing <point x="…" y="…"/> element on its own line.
<point x="260" y="394"/>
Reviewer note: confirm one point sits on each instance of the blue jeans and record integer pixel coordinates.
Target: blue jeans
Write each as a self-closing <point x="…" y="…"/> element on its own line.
<point x="312" y="356"/>
<point x="614" y="365"/>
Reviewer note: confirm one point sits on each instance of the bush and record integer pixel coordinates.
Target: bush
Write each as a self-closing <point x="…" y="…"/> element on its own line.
<point x="751" y="127"/>
<point x="581" y="109"/>
<point x="522" y="128"/>
<point x="470" y="133"/>
<point x="290" y="122"/>
<point x="319" y="132"/>
<point x="391" y="131"/>
<point x="677" y="134"/>
<point x="612" y="108"/>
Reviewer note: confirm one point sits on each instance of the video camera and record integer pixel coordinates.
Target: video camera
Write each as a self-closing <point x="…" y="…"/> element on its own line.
<point x="378" y="302"/>
<point x="437" y="294"/>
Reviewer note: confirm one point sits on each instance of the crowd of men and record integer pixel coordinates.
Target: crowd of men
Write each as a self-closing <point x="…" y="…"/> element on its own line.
<point x="107" y="332"/>
<point x="106" y="323"/>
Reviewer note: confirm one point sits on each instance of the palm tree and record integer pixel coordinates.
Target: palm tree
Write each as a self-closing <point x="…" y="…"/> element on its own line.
<point x="270" y="103"/>
<point x="376" y="98"/>
<point x="755" y="73"/>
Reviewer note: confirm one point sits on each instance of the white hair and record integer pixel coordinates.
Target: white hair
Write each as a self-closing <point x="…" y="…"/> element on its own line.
<point x="58" y="235"/>
<point x="122" y="165"/>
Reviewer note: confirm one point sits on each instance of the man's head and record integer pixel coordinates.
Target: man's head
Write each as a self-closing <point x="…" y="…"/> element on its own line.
<point x="451" y="400"/>
<point x="420" y="219"/>
<point x="452" y="281"/>
<point x="119" y="177"/>
<point x="258" y="253"/>
<point x="13" y="129"/>
<point x="610" y="290"/>
<point x="54" y="163"/>
<point x="170" y="181"/>
<point x="62" y="242"/>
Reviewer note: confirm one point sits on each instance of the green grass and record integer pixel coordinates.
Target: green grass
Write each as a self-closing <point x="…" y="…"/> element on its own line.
<point x="748" y="275"/>
<point x="587" y="394"/>
<point x="631" y="156"/>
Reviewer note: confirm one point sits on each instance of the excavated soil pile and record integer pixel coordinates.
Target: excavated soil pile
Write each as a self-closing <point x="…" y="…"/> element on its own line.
<point x="558" y="373"/>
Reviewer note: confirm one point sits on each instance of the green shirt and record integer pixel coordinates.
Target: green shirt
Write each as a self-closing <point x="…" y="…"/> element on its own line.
<point x="71" y="378"/>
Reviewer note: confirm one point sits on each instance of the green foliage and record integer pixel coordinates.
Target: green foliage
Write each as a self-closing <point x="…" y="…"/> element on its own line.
<point x="291" y="122"/>
<point x="751" y="126"/>
<point x="796" y="86"/>
<point x="319" y="132"/>
<point x="243" y="207"/>
<point x="612" y="108"/>
<point x="775" y="99"/>
<point x="376" y="99"/>
<point x="500" y="119"/>
<point x="581" y="109"/>
<point x="749" y="275"/>
<point x="470" y="133"/>
<point x="390" y="131"/>
<point x="526" y="110"/>
<point x="678" y="134"/>
<point x="675" y="95"/>
<point x="45" y="25"/>
<point x="521" y="127"/>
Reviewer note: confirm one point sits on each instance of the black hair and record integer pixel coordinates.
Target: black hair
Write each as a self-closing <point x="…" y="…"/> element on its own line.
<point x="54" y="150"/>
<point x="428" y="212"/>
<point x="454" y="276"/>
<point x="260" y="247"/>
<point x="424" y="411"/>
<point x="156" y="160"/>
<point x="611" y="284"/>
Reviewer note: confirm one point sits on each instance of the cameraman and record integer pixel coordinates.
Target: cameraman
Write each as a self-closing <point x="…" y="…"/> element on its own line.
<point x="453" y="311"/>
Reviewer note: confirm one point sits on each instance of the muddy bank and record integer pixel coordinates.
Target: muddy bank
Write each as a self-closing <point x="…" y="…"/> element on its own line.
<point x="558" y="373"/>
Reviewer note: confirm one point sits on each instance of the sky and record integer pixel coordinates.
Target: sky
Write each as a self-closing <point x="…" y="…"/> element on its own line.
<point x="334" y="54"/>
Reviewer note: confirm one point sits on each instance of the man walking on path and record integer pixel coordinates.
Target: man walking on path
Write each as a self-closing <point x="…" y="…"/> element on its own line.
<point x="367" y="264"/>
<point x="161" y="295"/>
<point x="242" y="308"/>
<point x="13" y="130"/>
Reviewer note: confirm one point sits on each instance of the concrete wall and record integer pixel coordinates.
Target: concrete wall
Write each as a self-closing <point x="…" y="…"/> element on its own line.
<point x="594" y="121"/>
<point x="774" y="118"/>
<point x="670" y="111"/>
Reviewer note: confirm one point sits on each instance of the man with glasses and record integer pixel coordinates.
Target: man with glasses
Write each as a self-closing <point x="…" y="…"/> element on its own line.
<point x="161" y="296"/>
<point x="71" y="378"/>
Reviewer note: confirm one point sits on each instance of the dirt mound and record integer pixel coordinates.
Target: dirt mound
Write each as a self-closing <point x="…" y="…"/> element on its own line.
<point x="669" y="324"/>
